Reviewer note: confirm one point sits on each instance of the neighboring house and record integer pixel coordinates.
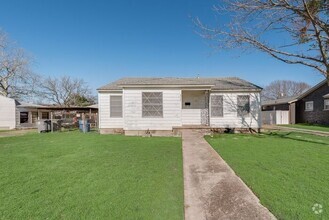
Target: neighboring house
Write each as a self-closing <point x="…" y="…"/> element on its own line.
<point x="276" y="111"/>
<point x="28" y="114"/>
<point x="16" y="114"/>
<point x="310" y="107"/>
<point x="137" y="106"/>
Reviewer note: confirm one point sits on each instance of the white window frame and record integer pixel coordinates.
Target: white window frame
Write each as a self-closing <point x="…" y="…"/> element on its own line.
<point x="307" y="106"/>
<point x="118" y="114"/>
<point x="326" y="103"/>
<point x="147" y="105"/>
<point x="218" y="107"/>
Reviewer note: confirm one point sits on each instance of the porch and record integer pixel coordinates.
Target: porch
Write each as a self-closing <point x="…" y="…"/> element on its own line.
<point x="195" y="108"/>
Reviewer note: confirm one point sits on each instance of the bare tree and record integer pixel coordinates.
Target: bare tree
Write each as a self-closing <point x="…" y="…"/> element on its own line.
<point x="16" y="79"/>
<point x="65" y="91"/>
<point x="300" y="26"/>
<point x="283" y="88"/>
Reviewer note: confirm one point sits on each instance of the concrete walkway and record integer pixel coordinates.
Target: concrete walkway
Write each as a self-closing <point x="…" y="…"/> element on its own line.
<point x="211" y="188"/>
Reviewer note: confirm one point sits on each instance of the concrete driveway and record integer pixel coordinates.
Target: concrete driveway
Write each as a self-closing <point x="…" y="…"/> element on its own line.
<point x="211" y="188"/>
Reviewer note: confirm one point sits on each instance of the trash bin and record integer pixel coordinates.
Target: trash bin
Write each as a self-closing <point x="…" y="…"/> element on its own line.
<point x="44" y="125"/>
<point x="80" y="125"/>
<point x="84" y="125"/>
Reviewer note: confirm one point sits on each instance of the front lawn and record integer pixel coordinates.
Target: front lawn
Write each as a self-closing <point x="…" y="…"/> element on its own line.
<point x="90" y="176"/>
<point x="287" y="171"/>
<point x="309" y="127"/>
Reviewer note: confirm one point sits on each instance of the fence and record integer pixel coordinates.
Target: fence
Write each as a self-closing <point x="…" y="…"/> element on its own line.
<point x="275" y="117"/>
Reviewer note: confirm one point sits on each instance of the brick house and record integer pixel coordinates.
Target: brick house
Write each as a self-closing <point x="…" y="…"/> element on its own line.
<point x="310" y="107"/>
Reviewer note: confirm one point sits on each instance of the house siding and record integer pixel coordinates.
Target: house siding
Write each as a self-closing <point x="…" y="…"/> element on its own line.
<point x="7" y="113"/>
<point x="191" y="114"/>
<point x="230" y="118"/>
<point x="318" y="115"/>
<point x="174" y="115"/>
<point x="105" y="121"/>
<point x="172" y="112"/>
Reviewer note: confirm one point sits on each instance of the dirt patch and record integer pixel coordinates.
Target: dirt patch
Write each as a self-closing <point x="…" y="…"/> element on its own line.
<point x="16" y="132"/>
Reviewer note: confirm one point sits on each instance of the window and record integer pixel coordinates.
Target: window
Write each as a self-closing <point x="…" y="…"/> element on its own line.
<point x="326" y="104"/>
<point x="152" y="106"/>
<point x="309" y="106"/>
<point x="45" y="115"/>
<point x="115" y="106"/>
<point x="24" y="117"/>
<point x="217" y="106"/>
<point x="243" y="107"/>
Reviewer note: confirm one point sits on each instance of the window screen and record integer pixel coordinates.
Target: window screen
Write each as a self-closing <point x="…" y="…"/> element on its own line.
<point x="243" y="107"/>
<point x="152" y="104"/>
<point x="115" y="106"/>
<point x="217" y="106"/>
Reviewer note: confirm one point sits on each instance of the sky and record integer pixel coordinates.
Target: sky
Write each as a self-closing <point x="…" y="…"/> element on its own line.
<point x="101" y="41"/>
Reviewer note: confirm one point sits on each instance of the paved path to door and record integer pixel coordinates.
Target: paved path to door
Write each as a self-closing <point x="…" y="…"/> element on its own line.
<point x="211" y="188"/>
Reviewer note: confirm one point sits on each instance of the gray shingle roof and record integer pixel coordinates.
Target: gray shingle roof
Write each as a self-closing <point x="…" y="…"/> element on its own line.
<point x="279" y="101"/>
<point x="229" y="83"/>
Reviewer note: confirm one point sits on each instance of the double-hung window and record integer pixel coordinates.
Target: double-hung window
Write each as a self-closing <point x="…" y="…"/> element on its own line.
<point x="116" y="106"/>
<point x="152" y="105"/>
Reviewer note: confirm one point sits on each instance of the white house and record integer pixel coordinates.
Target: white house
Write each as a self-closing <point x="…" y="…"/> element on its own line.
<point x="137" y="106"/>
<point x="7" y="113"/>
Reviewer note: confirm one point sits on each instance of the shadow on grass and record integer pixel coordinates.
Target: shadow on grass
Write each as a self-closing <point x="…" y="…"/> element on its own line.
<point x="286" y="135"/>
<point x="317" y="125"/>
<point x="283" y="135"/>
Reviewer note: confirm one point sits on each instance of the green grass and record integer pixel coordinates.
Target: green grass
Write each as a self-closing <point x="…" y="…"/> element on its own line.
<point x="71" y="175"/>
<point x="287" y="171"/>
<point x="309" y="127"/>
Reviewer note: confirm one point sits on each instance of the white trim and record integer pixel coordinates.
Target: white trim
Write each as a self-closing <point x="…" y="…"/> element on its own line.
<point x="310" y="109"/>
<point x="324" y="104"/>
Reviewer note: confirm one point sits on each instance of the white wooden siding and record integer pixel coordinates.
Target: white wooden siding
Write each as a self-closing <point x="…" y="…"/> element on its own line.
<point x="7" y="113"/>
<point x="105" y="121"/>
<point x="173" y="114"/>
<point x="191" y="116"/>
<point x="133" y="110"/>
<point x="197" y="99"/>
<point x="230" y="117"/>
